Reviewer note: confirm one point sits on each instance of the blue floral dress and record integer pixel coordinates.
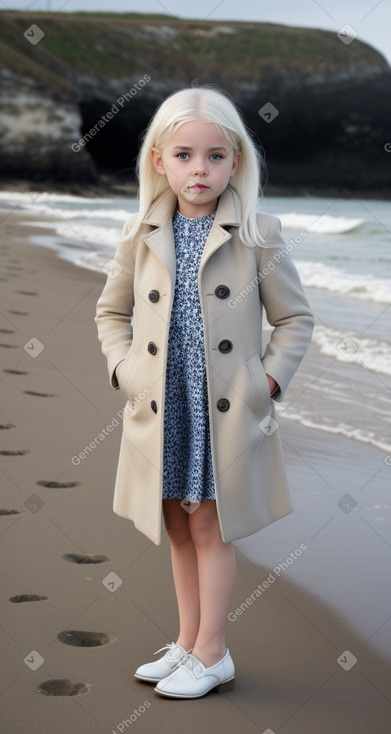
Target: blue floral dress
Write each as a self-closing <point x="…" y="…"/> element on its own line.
<point x="187" y="458"/>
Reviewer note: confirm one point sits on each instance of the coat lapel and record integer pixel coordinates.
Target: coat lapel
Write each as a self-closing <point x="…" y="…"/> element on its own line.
<point x="161" y="239"/>
<point x="227" y="214"/>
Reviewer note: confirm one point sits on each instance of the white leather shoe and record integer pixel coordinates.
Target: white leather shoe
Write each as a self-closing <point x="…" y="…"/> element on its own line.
<point x="154" y="672"/>
<point x="192" y="679"/>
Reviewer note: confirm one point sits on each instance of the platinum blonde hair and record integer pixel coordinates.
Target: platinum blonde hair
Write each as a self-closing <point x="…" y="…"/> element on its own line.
<point x="215" y="106"/>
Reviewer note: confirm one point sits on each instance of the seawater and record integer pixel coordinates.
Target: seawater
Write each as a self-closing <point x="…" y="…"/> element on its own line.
<point x="337" y="435"/>
<point x="344" y="262"/>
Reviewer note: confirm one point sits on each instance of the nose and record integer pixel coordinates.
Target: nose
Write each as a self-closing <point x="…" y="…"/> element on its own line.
<point x="200" y="167"/>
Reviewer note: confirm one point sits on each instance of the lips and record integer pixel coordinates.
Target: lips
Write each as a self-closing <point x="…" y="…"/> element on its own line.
<point x="199" y="187"/>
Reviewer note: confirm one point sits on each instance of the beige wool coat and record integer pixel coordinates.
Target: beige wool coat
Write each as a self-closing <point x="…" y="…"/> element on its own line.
<point x="236" y="283"/>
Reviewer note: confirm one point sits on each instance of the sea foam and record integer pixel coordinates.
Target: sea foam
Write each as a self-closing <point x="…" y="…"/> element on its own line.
<point x="369" y="353"/>
<point x="319" y="224"/>
<point x="357" y="285"/>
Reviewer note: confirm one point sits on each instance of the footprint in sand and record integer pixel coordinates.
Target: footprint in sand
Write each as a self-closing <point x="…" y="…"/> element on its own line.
<point x="15" y="372"/>
<point x="63" y="687"/>
<point x="85" y="558"/>
<point x="4" y="426"/>
<point x="58" y="485"/>
<point x="14" y="452"/>
<point x="20" y="598"/>
<point x="10" y="512"/>
<point x="19" y="313"/>
<point x="27" y="293"/>
<point x="40" y="394"/>
<point x="80" y="638"/>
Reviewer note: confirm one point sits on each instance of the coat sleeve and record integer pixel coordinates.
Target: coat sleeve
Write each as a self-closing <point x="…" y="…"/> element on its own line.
<point x="115" y="306"/>
<point x="287" y="309"/>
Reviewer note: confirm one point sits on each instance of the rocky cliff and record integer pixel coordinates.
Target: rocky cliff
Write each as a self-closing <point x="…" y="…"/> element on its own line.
<point x="77" y="90"/>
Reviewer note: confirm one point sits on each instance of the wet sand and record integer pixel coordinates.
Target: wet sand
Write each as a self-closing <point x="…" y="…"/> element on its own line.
<point x="285" y="639"/>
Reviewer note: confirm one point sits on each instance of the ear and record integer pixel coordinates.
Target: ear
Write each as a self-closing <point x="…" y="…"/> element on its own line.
<point x="235" y="164"/>
<point x="156" y="158"/>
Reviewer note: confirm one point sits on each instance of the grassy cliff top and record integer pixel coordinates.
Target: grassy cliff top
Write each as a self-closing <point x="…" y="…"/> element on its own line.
<point x="111" y="45"/>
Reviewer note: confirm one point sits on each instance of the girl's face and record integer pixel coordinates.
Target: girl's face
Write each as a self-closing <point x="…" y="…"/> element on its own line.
<point x="198" y="162"/>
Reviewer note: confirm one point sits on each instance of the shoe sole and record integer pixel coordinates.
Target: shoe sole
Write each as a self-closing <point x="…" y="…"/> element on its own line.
<point x="153" y="680"/>
<point x="148" y="680"/>
<point x="225" y="685"/>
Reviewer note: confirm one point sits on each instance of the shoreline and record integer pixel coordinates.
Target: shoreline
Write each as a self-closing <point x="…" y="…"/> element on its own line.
<point x="285" y="643"/>
<point x="109" y="185"/>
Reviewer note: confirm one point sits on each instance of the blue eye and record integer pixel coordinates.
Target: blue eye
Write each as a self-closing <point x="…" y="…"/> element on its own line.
<point x="213" y="156"/>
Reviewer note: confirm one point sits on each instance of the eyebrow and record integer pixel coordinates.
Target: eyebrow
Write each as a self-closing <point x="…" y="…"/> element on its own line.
<point x="188" y="147"/>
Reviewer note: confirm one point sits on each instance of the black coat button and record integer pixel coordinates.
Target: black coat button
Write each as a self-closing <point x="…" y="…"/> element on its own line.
<point x="152" y="348"/>
<point x="223" y="405"/>
<point x="154" y="406"/>
<point x="222" y="291"/>
<point x="153" y="296"/>
<point x="225" y="346"/>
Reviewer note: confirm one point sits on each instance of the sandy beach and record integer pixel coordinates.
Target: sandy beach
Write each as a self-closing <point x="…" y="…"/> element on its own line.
<point x="304" y="664"/>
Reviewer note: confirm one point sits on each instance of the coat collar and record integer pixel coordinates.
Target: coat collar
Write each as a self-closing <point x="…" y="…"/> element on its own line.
<point x="163" y="209"/>
<point x="161" y="240"/>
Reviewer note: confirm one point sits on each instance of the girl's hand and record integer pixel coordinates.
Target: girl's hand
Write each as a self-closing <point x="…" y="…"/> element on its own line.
<point x="118" y="371"/>
<point x="272" y="383"/>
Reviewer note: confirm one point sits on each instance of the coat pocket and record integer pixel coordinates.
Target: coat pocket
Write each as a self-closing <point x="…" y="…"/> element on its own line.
<point x="262" y="398"/>
<point x="126" y="371"/>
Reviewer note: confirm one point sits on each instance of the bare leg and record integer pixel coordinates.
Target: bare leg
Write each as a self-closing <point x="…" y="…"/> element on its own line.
<point x="185" y="571"/>
<point x="216" y="573"/>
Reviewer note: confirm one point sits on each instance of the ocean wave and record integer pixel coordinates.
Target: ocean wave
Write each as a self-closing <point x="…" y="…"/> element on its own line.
<point x="356" y="285"/>
<point x="93" y="261"/>
<point x="368" y="353"/>
<point x="315" y="223"/>
<point x="88" y="234"/>
<point x="342" y="429"/>
<point x="323" y="224"/>
<point x="118" y="215"/>
<point x="32" y="197"/>
<point x="45" y="204"/>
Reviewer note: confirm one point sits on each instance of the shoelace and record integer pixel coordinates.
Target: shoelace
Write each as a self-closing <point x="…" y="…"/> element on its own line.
<point x="169" y="646"/>
<point x="191" y="663"/>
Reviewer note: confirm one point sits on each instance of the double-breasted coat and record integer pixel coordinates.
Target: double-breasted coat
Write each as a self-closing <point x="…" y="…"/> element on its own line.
<point x="236" y="283"/>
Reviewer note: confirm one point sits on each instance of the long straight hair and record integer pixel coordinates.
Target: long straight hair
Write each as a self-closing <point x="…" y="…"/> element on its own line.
<point x="215" y="106"/>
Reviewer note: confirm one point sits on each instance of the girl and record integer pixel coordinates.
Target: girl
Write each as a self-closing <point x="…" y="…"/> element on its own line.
<point x="195" y="268"/>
